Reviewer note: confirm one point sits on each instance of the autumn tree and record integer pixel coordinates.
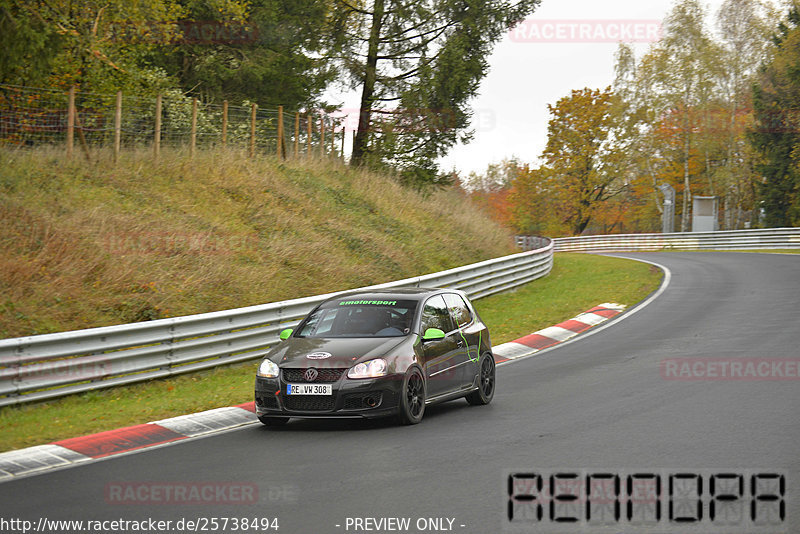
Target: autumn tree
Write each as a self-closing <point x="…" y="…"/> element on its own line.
<point x="682" y="61"/>
<point x="489" y="190"/>
<point x="686" y="107"/>
<point x="776" y="135"/>
<point x="634" y="86"/>
<point x="744" y="47"/>
<point x="535" y="203"/>
<point x="582" y="155"/>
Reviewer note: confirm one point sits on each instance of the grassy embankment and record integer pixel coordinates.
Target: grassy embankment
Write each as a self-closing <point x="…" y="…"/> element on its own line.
<point x="84" y="246"/>
<point x="90" y="245"/>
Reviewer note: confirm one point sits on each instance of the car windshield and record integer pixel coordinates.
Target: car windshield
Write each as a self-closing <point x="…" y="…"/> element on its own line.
<point x="353" y="317"/>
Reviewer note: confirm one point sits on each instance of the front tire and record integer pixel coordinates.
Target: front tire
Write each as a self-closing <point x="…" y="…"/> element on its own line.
<point x="412" y="397"/>
<point x="486" y="384"/>
<point x="273" y="421"/>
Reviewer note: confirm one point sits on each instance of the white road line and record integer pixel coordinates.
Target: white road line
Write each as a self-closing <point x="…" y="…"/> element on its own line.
<point x="621" y="317"/>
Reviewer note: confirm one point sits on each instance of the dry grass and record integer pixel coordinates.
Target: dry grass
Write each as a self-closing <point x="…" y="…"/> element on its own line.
<point x="90" y="245"/>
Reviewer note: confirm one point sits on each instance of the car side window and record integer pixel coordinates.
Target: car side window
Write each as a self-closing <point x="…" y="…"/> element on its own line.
<point x="319" y="323"/>
<point x="459" y="309"/>
<point x="436" y="315"/>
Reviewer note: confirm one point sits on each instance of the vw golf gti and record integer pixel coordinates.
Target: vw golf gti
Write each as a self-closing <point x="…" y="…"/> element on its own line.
<point x="377" y="353"/>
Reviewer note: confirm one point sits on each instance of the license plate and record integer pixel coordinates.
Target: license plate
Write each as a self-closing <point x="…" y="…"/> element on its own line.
<point x="309" y="389"/>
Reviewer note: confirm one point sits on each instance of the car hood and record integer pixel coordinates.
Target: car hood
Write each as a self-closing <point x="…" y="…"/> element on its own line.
<point x="344" y="352"/>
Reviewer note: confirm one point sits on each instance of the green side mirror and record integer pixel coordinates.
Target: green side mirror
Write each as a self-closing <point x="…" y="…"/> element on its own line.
<point x="432" y="334"/>
<point x="286" y="333"/>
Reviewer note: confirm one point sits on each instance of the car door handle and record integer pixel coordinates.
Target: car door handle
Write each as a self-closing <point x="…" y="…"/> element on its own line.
<point x="460" y="343"/>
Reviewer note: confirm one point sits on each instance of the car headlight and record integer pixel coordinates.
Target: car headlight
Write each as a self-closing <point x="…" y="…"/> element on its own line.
<point x="370" y="369"/>
<point x="268" y="369"/>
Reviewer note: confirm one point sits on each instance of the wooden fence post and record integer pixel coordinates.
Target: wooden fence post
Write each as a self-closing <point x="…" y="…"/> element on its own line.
<point x="82" y="136"/>
<point x="308" y="135"/>
<point x="253" y="130"/>
<point x="281" y="148"/>
<point x="296" y="134"/>
<point x="157" y="138"/>
<point x="322" y="136"/>
<point x="117" y="126"/>
<point x="71" y="122"/>
<point x="333" y="138"/>
<point x="224" y="123"/>
<point x="193" y="139"/>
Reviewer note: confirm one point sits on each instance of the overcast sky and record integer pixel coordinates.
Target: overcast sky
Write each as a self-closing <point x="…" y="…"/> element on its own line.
<point x="543" y="60"/>
<point x="526" y="74"/>
<point x="511" y="110"/>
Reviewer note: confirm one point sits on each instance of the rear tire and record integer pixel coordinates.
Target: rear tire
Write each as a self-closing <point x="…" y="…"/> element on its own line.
<point x="273" y="421"/>
<point x="486" y="383"/>
<point x="412" y="397"/>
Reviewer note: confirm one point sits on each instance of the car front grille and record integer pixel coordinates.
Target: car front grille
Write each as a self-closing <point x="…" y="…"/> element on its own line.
<point x="296" y="376"/>
<point x="309" y="403"/>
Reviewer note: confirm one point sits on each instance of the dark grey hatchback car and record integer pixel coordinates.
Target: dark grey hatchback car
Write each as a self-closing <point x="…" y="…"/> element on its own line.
<point x="378" y="353"/>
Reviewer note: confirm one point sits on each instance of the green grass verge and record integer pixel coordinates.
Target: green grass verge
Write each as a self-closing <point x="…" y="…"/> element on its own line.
<point x="576" y="283"/>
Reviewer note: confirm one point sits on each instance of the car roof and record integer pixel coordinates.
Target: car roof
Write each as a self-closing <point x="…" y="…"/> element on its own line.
<point x="399" y="293"/>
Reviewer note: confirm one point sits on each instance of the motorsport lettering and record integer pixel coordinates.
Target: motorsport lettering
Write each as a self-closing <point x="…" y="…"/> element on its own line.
<point x="368" y="302"/>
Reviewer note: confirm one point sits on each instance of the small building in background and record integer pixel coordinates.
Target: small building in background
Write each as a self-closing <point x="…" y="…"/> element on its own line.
<point x="704" y="214"/>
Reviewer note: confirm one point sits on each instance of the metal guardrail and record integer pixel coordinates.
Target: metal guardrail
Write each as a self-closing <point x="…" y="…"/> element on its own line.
<point x="53" y="365"/>
<point x="768" y="238"/>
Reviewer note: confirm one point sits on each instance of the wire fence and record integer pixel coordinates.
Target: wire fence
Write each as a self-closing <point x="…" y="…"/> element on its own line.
<point x="34" y="117"/>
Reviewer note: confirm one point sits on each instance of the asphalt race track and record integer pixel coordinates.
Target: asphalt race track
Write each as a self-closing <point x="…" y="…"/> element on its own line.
<point x="603" y="403"/>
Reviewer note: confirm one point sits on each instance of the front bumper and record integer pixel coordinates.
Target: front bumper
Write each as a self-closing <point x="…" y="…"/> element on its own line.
<point x="364" y="398"/>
